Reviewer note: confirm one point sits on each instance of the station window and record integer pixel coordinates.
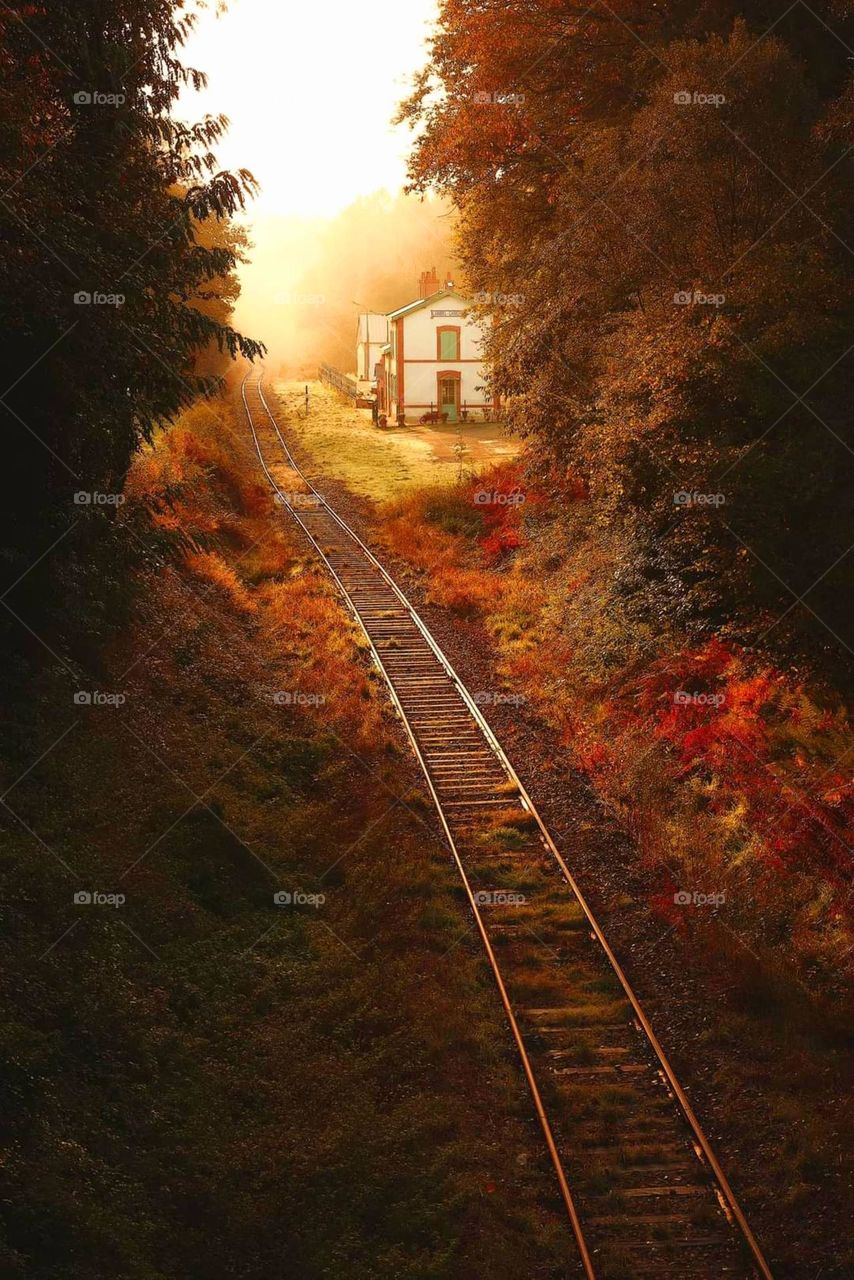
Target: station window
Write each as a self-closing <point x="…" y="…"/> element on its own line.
<point x="449" y="343"/>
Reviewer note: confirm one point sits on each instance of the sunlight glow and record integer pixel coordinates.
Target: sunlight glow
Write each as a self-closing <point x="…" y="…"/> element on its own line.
<point x="310" y="90"/>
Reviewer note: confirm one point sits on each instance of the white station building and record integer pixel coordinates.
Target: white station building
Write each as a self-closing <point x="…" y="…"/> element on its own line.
<point x="431" y="366"/>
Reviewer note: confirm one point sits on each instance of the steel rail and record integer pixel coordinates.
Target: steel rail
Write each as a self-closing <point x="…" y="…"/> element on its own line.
<point x="563" y="1183"/>
<point x="726" y="1195"/>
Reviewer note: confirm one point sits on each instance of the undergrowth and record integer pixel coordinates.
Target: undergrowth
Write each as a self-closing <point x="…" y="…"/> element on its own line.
<point x="200" y="1081"/>
<point x="733" y="774"/>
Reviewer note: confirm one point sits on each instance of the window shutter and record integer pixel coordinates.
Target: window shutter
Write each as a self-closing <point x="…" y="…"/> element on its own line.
<point x="449" y="345"/>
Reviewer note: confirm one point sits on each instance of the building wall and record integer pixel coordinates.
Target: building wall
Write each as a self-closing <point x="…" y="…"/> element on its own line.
<point x="421" y="364"/>
<point x="393" y="364"/>
<point x="382" y="385"/>
<point x="373" y="355"/>
<point x="421" y="329"/>
<point x="421" y="388"/>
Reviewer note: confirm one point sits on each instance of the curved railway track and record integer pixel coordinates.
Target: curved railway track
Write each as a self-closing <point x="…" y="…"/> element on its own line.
<point x="643" y="1190"/>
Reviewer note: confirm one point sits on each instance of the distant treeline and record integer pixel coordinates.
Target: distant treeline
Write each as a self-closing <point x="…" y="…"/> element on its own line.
<point x="310" y="278"/>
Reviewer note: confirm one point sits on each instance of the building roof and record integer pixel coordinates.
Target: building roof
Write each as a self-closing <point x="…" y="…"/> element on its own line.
<point x="377" y="327"/>
<point x="425" y="302"/>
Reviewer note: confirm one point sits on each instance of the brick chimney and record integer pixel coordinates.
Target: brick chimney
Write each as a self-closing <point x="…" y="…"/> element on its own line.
<point x="428" y="283"/>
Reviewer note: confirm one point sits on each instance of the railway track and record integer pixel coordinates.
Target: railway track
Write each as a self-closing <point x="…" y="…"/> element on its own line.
<point x="643" y="1190"/>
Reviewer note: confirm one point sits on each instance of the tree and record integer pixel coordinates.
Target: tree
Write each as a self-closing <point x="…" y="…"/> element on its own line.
<point x="105" y="305"/>
<point x="668" y="217"/>
<point x="218" y="297"/>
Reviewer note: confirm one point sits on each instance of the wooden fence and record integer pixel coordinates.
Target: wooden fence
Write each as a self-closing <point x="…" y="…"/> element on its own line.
<point x="340" y="381"/>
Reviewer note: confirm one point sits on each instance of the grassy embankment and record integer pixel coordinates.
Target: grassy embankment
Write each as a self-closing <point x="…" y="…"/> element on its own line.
<point x="198" y="1082"/>
<point x="732" y="773"/>
<point x="738" y="793"/>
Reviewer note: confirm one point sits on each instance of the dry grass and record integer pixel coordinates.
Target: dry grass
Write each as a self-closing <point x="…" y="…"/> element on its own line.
<point x="381" y="464"/>
<point x="317" y="1071"/>
<point x="748" y="802"/>
<point x="210" y="567"/>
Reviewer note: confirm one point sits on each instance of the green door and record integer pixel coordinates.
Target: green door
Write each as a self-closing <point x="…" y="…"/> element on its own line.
<point x="449" y="398"/>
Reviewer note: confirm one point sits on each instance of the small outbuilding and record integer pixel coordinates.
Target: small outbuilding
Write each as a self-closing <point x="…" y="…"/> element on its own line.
<point x="371" y="337"/>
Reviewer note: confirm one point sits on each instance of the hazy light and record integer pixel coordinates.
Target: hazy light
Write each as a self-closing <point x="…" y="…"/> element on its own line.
<point x="310" y="89"/>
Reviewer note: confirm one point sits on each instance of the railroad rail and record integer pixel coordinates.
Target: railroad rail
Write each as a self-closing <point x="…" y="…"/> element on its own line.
<point x="644" y="1193"/>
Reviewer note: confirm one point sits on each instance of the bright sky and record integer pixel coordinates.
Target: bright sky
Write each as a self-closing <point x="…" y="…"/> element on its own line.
<point x="310" y="87"/>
